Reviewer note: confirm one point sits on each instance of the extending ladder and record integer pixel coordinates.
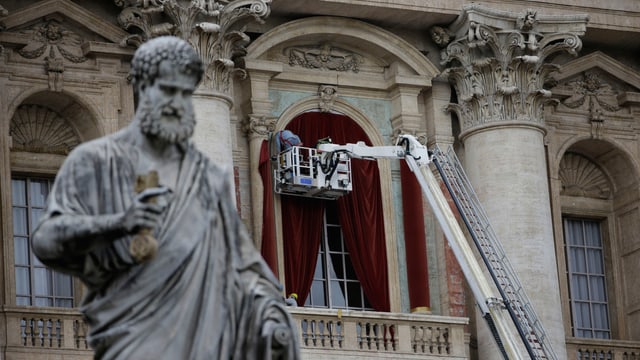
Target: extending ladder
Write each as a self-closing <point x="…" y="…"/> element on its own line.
<point x="504" y="277"/>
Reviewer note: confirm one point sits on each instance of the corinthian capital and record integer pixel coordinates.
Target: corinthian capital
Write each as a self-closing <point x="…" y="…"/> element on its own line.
<point x="499" y="62"/>
<point x="215" y="28"/>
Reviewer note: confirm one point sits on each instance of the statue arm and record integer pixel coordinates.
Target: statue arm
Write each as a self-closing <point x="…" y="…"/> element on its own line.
<point x="70" y="235"/>
<point x="63" y="236"/>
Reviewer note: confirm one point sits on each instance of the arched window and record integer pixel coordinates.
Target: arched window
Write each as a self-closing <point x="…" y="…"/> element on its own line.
<point x="41" y="137"/>
<point x="330" y="249"/>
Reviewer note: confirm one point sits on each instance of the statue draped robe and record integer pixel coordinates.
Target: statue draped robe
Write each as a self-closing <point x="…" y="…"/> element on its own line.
<point x="207" y="294"/>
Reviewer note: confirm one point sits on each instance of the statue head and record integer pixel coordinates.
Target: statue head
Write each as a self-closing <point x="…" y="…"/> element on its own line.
<point x="165" y="71"/>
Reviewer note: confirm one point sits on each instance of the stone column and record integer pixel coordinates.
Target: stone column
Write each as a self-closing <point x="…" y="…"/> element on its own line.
<point x="215" y="30"/>
<point x="498" y="62"/>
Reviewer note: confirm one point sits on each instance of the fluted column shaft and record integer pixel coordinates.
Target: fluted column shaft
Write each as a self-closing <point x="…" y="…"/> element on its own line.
<point x="498" y="63"/>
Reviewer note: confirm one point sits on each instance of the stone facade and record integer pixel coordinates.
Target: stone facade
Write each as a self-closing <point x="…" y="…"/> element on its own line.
<point x="541" y="101"/>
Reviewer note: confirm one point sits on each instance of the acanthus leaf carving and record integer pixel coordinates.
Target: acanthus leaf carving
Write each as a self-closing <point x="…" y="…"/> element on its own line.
<point x="216" y="29"/>
<point x="500" y="74"/>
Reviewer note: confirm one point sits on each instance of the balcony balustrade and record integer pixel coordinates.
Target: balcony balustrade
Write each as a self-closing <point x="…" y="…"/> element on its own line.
<point x="345" y="334"/>
<point x="601" y="349"/>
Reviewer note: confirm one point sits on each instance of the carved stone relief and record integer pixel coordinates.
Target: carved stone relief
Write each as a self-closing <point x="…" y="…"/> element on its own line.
<point x="499" y="73"/>
<point x="53" y="41"/>
<point x="581" y="177"/>
<point x="328" y="95"/>
<point x="36" y="128"/>
<point x="260" y="126"/>
<point x="324" y="57"/>
<point x="214" y="28"/>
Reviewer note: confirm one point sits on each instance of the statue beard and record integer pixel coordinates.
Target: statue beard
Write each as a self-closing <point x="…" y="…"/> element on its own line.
<point x="177" y="132"/>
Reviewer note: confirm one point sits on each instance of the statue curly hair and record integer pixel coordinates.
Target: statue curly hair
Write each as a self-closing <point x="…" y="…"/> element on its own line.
<point x="146" y="60"/>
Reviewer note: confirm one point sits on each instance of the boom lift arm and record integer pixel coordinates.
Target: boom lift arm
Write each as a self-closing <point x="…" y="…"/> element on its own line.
<point x="324" y="172"/>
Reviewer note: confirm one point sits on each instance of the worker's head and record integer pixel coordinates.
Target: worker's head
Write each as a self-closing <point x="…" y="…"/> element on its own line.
<point x="294" y="296"/>
<point x="165" y="72"/>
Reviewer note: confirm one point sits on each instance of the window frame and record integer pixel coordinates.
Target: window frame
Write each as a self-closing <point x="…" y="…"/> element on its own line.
<point x="326" y="264"/>
<point x="589" y="274"/>
<point x="599" y="210"/>
<point x="32" y="265"/>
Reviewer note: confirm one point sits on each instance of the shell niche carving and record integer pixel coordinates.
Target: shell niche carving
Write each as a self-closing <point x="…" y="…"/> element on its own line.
<point x="581" y="177"/>
<point x="39" y="129"/>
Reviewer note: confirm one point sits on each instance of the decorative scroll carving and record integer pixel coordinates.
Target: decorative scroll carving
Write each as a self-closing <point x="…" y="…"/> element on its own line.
<point x="581" y="177"/>
<point x="214" y="28"/>
<point x="328" y="95"/>
<point x="499" y="73"/>
<point x="36" y="128"/>
<point x="324" y="57"/>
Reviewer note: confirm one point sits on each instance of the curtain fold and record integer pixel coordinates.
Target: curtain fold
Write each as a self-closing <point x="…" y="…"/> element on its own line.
<point x="360" y="212"/>
<point x="268" y="248"/>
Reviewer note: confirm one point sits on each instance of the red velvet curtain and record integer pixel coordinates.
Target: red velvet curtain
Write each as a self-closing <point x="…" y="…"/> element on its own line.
<point x="268" y="248"/>
<point x="360" y="214"/>
<point x="415" y="239"/>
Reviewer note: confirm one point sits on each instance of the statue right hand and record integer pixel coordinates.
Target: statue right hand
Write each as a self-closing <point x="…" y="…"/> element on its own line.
<point x="143" y="213"/>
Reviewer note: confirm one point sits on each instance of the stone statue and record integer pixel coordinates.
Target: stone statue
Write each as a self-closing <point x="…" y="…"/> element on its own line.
<point x="193" y="286"/>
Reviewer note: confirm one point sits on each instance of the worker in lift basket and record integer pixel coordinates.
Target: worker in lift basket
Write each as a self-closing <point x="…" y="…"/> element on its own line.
<point x="285" y="139"/>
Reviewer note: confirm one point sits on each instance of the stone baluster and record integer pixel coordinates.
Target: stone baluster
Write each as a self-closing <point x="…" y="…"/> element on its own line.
<point x="498" y="62"/>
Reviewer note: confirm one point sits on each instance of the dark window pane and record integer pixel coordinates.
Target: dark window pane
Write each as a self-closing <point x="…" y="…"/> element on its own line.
<point x="318" y="294"/>
<point x="336" y="260"/>
<point x="21" y="250"/>
<point x="354" y="294"/>
<point x="337" y="294"/>
<point x="44" y="301"/>
<point x="334" y="239"/>
<point x="23" y="281"/>
<point x="319" y="271"/>
<point x="63" y="284"/>
<point x="39" y="190"/>
<point x="351" y="273"/>
<point x="42" y="281"/>
<point x="67" y="303"/>
<point x="19" y="192"/>
<point x="20" y="221"/>
<point x="23" y="300"/>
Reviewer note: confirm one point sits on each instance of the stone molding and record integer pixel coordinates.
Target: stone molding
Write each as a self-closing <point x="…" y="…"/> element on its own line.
<point x="214" y="28"/>
<point x="498" y="65"/>
<point x="39" y="129"/>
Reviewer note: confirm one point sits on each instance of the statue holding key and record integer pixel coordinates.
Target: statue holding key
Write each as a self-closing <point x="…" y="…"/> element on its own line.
<point x="149" y="225"/>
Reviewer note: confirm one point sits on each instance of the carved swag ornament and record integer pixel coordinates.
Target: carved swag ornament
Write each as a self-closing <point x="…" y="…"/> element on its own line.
<point x="59" y="44"/>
